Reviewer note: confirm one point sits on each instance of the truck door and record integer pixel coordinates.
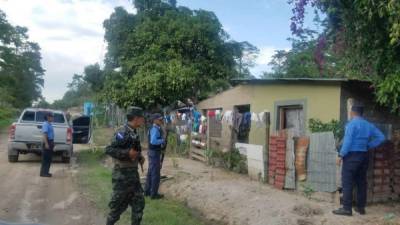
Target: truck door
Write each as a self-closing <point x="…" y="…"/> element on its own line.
<point x="81" y="130"/>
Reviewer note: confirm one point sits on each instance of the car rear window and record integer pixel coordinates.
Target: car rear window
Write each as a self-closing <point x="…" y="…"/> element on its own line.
<point x="58" y="117"/>
<point x="28" y="116"/>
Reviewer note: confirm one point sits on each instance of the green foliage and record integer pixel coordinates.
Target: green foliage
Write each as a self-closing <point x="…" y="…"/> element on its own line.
<point x="308" y="191"/>
<point x="94" y="76"/>
<point x="172" y="144"/>
<point x="364" y="36"/>
<point x="309" y="57"/>
<point x="163" y="54"/>
<point x="95" y="180"/>
<point x="231" y="160"/>
<point x="389" y="91"/>
<point x="21" y="73"/>
<point x="7" y="116"/>
<point x="79" y="91"/>
<point x="316" y="125"/>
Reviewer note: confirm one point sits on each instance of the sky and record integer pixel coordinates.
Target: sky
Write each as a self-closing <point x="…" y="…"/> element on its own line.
<point x="70" y="32"/>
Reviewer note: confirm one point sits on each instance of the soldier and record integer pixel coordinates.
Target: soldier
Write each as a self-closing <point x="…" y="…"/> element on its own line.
<point x="126" y="153"/>
<point x="156" y="145"/>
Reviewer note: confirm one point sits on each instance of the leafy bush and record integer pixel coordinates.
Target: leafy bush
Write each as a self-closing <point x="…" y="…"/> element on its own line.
<point x="231" y="160"/>
<point x="316" y="125"/>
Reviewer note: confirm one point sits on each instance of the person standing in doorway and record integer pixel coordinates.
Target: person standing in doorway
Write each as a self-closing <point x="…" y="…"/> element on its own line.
<point x="47" y="145"/>
<point x="156" y="144"/>
<point x="360" y="136"/>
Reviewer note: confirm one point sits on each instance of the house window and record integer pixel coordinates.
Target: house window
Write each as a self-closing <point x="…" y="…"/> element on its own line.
<point x="291" y="115"/>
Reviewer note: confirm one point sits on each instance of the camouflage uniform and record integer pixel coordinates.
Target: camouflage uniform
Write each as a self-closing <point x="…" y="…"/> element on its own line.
<point x="127" y="189"/>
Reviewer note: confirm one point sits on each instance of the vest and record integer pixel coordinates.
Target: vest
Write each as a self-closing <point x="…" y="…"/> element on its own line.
<point x="151" y="146"/>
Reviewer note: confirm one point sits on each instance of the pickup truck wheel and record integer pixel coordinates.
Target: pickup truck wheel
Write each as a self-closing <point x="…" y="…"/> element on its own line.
<point x="65" y="159"/>
<point x="13" y="158"/>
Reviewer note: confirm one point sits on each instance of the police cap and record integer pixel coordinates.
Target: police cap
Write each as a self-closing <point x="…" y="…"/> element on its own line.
<point x="156" y="116"/>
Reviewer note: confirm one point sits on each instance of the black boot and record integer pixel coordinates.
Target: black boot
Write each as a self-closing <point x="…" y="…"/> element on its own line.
<point x="342" y="212"/>
<point x="157" y="196"/>
<point x="110" y="222"/>
<point x="361" y="211"/>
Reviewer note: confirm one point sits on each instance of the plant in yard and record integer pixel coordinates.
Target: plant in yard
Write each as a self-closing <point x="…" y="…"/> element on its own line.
<point x="316" y="125"/>
<point x="172" y="144"/>
<point x="175" y="162"/>
<point x="308" y="191"/>
<point x="389" y="219"/>
<point x="234" y="161"/>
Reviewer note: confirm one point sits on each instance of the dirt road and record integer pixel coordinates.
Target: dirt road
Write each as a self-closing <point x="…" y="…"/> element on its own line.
<point x="235" y="200"/>
<point x="27" y="198"/>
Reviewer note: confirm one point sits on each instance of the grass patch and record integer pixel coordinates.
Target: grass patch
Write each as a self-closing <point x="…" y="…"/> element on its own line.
<point x="96" y="181"/>
<point x="4" y="123"/>
<point x="7" y="115"/>
<point x="102" y="136"/>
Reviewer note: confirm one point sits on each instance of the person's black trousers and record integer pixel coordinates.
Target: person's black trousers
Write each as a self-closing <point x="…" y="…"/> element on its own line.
<point x="154" y="173"/>
<point x="354" y="171"/>
<point x="47" y="156"/>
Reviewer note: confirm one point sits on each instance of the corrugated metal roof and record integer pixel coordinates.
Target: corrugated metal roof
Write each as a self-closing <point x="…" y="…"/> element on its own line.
<point x="291" y="80"/>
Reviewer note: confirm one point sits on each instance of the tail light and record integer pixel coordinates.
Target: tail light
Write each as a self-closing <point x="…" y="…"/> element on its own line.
<point x="11" y="132"/>
<point x="69" y="135"/>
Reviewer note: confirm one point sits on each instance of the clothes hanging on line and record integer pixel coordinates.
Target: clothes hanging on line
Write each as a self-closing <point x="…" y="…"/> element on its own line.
<point x="211" y="113"/>
<point x="228" y="117"/>
<point x="237" y="120"/>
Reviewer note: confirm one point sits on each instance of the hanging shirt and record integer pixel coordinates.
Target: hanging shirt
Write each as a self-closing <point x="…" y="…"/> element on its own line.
<point x="197" y="116"/>
<point x="47" y="128"/>
<point x="360" y="135"/>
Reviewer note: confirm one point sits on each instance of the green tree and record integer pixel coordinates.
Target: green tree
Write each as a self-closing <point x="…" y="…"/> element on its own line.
<point x="21" y="73"/>
<point x="245" y="55"/>
<point x="365" y="34"/>
<point x="78" y="92"/>
<point x="94" y="76"/>
<point x="164" y="53"/>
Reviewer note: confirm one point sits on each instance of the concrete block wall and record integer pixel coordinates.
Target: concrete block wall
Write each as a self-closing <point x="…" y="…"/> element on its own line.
<point x="385" y="180"/>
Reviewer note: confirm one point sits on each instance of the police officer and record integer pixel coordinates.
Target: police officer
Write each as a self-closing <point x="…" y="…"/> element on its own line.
<point x="360" y="136"/>
<point x="47" y="145"/>
<point x="126" y="153"/>
<point x="156" y="144"/>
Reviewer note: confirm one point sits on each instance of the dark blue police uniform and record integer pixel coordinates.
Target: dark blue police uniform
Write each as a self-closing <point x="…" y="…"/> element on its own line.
<point x="360" y="136"/>
<point x="47" y="154"/>
<point x="156" y="143"/>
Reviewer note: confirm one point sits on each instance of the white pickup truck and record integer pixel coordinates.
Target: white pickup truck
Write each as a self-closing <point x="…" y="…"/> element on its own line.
<point x="25" y="135"/>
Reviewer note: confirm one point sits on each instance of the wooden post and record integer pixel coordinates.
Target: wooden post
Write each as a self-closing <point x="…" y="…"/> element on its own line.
<point x="266" y="148"/>
<point x="208" y="136"/>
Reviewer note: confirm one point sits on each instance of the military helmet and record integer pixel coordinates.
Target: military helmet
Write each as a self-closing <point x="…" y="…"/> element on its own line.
<point x="135" y="111"/>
